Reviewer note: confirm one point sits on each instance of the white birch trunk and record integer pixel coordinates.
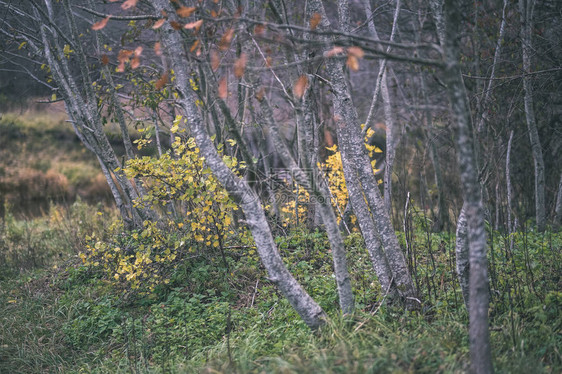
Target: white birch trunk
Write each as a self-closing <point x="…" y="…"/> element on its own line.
<point x="526" y="15"/>
<point x="239" y="189"/>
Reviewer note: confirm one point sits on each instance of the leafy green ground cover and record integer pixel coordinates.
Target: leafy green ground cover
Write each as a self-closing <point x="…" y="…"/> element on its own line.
<point x="213" y="309"/>
<point x="63" y="316"/>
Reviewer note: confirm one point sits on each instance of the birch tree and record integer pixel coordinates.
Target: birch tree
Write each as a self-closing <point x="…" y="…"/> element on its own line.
<point x="526" y="8"/>
<point x="448" y="19"/>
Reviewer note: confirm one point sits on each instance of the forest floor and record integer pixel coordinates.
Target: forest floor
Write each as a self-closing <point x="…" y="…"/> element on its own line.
<point x="213" y="309"/>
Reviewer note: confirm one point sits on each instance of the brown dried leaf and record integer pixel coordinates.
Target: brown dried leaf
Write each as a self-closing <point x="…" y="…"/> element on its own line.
<point x="334" y="51"/>
<point x="268" y="61"/>
<point x="214" y="14"/>
<point x="259" y="29"/>
<point x="315" y="20"/>
<point x="186" y="11"/>
<point x="223" y="88"/>
<point x="194" y="25"/>
<point x="104" y="60"/>
<point x="300" y="86"/>
<point x="356" y="51"/>
<point x="101" y="24"/>
<point x="215" y="60"/>
<point x="138" y="51"/>
<point x="224" y="43"/>
<point x="124" y="55"/>
<point x="158" y="49"/>
<point x="194" y="45"/>
<point x="135" y="62"/>
<point x="240" y="66"/>
<point x="129" y="4"/>
<point x="160" y="83"/>
<point x="158" y="23"/>
<point x="175" y="25"/>
<point x="121" y="67"/>
<point x="352" y="62"/>
<point x="260" y="94"/>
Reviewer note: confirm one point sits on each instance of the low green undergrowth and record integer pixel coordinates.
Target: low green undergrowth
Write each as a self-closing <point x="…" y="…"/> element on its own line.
<point x="218" y="313"/>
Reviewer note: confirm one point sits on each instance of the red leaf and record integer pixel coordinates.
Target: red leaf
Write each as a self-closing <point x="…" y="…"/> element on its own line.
<point x="157" y="49"/>
<point x="224" y="43"/>
<point x="352" y="62"/>
<point x="240" y="66"/>
<point x="160" y="83"/>
<point x="356" y="51"/>
<point x="185" y="11"/>
<point x="223" y="88"/>
<point x="194" y="25"/>
<point x="334" y="51"/>
<point x="129" y="4"/>
<point x="215" y="60"/>
<point x="135" y="62"/>
<point x="101" y="24"/>
<point x="194" y="46"/>
<point x="158" y="23"/>
<point x="300" y="86"/>
<point x="124" y="55"/>
<point x="315" y="20"/>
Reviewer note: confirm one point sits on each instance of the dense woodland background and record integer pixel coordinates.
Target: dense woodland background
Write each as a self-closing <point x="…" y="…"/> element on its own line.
<point x="192" y="186"/>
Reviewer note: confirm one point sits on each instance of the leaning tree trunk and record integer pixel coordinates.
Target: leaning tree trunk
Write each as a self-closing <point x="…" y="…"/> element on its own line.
<point x="173" y="46"/>
<point x="449" y="17"/>
<point x="526" y="15"/>
<point x="75" y="87"/>
<point x="319" y="191"/>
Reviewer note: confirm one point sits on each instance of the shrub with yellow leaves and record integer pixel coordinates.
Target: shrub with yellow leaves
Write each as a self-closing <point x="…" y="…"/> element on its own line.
<point x="196" y="216"/>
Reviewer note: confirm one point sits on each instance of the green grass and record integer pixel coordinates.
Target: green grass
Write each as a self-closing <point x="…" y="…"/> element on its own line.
<point x="72" y="319"/>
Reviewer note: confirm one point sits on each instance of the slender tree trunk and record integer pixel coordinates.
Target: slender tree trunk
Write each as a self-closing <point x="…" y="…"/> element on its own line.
<point x="485" y="102"/>
<point x="359" y="176"/>
<point x="462" y="258"/>
<point x="382" y="83"/>
<point x="558" y="209"/>
<point x="450" y="17"/>
<point x="319" y="192"/>
<point x="239" y="189"/>
<point x="526" y="15"/>
<point x="509" y="188"/>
